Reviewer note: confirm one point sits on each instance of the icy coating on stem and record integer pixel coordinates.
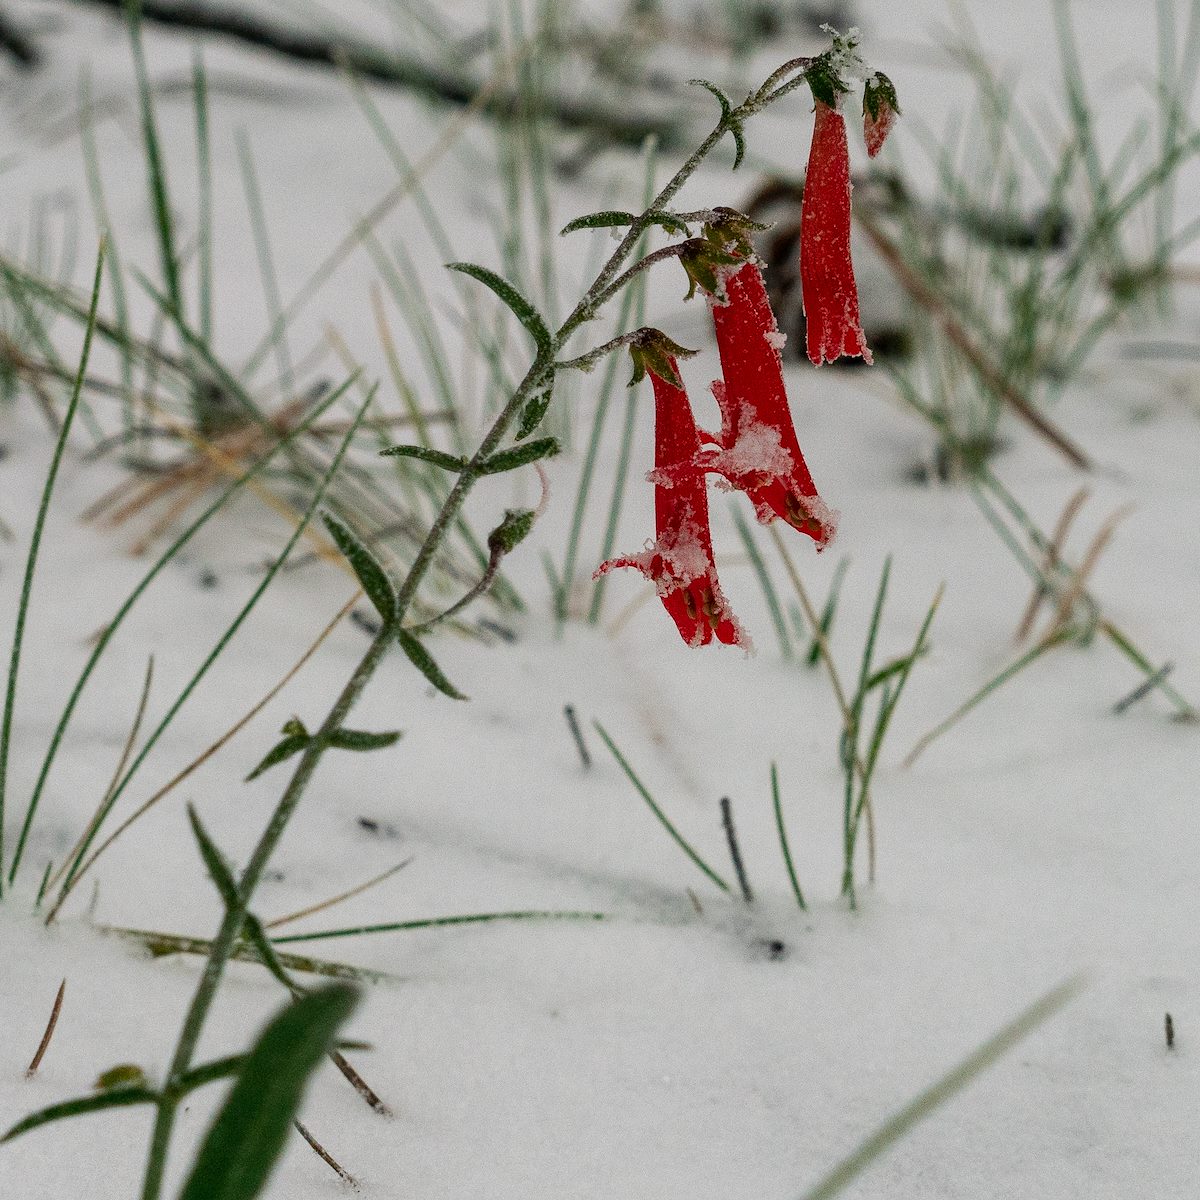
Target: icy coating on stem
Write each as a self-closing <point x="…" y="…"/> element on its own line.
<point x="826" y="273"/>
<point x="679" y="562"/>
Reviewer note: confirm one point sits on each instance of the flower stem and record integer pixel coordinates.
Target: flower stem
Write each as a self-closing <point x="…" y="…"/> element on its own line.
<point x="540" y="373"/>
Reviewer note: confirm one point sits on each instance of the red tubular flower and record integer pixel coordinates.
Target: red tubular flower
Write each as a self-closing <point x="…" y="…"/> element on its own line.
<point x="880" y="110"/>
<point x="680" y="560"/>
<point x="758" y="452"/>
<point x="826" y="273"/>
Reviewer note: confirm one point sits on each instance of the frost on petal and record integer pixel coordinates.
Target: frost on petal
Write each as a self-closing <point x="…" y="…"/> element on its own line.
<point x="679" y="562"/>
<point x="827" y="285"/>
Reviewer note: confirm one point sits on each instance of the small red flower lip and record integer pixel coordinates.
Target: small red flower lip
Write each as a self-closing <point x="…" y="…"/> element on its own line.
<point x="826" y="273"/>
<point x="757" y="450"/>
<point x="679" y="562"/>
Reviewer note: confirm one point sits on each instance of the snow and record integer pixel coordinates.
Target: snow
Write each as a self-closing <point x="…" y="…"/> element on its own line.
<point x="663" y="1051"/>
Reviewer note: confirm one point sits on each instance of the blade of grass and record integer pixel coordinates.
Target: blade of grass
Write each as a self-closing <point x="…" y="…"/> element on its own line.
<point x="14" y="660"/>
<point x="440" y="922"/>
<point x="783" y="839"/>
<point x="945" y="1089"/>
<point x="222" y="643"/>
<point x="764" y="582"/>
<point x="679" y="839"/>
<point x="123" y="611"/>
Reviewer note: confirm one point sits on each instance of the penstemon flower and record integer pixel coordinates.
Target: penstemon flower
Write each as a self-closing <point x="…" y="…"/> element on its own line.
<point x="880" y="110"/>
<point x="757" y="451"/>
<point x="679" y="562"/>
<point x="826" y="273"/>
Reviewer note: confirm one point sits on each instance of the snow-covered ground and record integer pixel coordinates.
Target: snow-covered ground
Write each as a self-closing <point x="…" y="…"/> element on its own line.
<point x="667" y="1051"/>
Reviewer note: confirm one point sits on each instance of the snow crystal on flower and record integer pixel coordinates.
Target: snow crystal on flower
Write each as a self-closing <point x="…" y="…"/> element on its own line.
<point x="775" y="339"/>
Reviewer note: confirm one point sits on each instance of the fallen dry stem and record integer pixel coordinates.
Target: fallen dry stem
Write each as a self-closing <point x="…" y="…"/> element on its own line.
<point x="44" y="1044"/>
<point x="1050" y="562"/>
<point x="322" y="905"/>
<point x="1079" y="577"/>
<point x="325" y="1156"/>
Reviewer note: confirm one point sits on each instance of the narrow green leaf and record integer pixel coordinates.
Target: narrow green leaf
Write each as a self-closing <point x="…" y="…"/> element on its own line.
<point x="117" y="1098"/>
<point x="371" y="575"/>
<point x="519" y="456"/>
<point x="439" y="458"/>
<point x="423" y="661"/>
<point x="280" y="752"/>
<point x="256" y="935"/>
<point x="248" y="1134"/>
<point x="738" y="133"/>
<point x="361" y="739"/>
<point x="734" y="126"/>
<point x="664" y="820"/>
<point x="210" y="1072"/>
<point x="521" y="308"/>
<point x="222" y="876"/>
<point x="610" y="218"/>
<point x="722" y="99"/>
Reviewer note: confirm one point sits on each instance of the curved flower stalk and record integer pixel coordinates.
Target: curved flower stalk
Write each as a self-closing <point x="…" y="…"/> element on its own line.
<point x="757" y="450"/>
<point x="679" y="562"/>
<point x="826" y="273"/>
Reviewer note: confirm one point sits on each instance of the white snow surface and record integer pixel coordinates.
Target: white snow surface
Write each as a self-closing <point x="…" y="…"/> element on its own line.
<point x="662" y="1052"/>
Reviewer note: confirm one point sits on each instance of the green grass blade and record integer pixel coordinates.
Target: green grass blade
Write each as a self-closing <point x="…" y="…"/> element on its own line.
<point x="204" y="188"/>
<point x="35" y="542"/>
<point x="783" y="839"/>
<point x="266" y="262"/>
<point x="156" y="171"/>
<point x="441" y="922"/>
<point x="764" y="582"/>
<point x="945" y="1089"/>
<point x="633" y="304"/>
<point x="679" y="839"/>
<point x="217" y="650"/>
<point x="111" y="628"/>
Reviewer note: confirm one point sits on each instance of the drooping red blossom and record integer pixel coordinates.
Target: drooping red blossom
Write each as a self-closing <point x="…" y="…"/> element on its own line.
<point x="679" y="562"/>
<point x="826" y="274"/>
<point x="757" y="451"/>
<point x="880" y="110"/>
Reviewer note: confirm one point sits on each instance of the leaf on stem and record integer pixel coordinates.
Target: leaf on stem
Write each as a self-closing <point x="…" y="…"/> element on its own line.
<point x="615" y="219"/>
<point x="423" y="661"/>
<point x="519" y="456"/>
<point x="248" y="1134"/>
<point x="732" y="124"/>
<point x="521" y="308"/>
<point x="361" y="739"/>
<point x="439" y="458"/>
<point x="115" y="1098"/>
<point x="610" y="218"/>
<point x="366" y="566"/>
<point x="280" y="752"/>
